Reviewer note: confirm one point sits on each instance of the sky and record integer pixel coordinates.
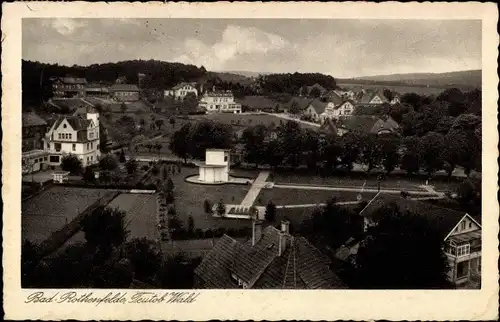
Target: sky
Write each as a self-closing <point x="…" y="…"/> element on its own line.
<point x="341" y="48"/>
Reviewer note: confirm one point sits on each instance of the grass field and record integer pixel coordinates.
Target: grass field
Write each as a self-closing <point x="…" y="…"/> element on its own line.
<point x="141" y="214"/>
<point x="52" y="209"/>
<point x="281" y="196"/>
<point x="344" y="181"/>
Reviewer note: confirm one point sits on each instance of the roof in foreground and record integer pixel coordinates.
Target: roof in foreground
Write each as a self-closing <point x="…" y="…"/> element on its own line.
<point x="124" y="88"/>
<point x="32" y="119"/>
<point x="301" y="266"/>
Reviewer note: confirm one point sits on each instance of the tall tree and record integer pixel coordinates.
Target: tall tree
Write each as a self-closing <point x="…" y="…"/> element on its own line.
<point x="72" y="164"/>
<point x="270" y="213"/>
<point x="402" y="251"/>
<point x="145" y="257"/>
<point x="431" y="146"/>
<point x="410" y="161"/>
<point x="179" y="143"/>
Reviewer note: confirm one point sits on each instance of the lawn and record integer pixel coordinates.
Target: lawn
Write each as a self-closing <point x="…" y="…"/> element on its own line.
<point x="141" y="214"/>
<point x="189" y="198"/>
<point x="396" y="183"/>
<point x="281" y="196"/>
<point x="52" y="209"/>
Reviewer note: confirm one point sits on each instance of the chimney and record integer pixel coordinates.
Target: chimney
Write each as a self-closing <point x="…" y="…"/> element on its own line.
<point x="285" y="226"/>
<point x="256" y="231"/>
<point x="284" y="236"/>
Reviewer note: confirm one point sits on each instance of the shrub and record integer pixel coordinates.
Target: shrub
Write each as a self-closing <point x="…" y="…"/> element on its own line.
<point x="108" y="163"/>
<point x="131" y="166"/>
<point x="72" y="164"/>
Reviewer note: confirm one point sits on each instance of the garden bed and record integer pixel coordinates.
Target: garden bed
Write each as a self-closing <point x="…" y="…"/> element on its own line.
<point x="281" y="196"/>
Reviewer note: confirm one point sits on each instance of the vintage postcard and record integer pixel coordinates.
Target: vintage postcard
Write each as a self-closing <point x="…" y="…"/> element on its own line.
<point x="250" y="161"/>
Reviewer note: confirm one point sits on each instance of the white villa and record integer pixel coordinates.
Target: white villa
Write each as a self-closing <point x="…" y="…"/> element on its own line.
<point x="215" y="169"/>
<point x="219" y="102"/>
<point x="180" y="91"/>
<point x="77" y="135"/>
<point x="346" y="108"/>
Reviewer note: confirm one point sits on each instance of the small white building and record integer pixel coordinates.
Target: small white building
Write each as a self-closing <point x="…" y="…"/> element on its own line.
<point x="219" y="102"/>
<point x="215" y="169"/>
<point x="77" y="135"/>
<point x="181" y="90"/>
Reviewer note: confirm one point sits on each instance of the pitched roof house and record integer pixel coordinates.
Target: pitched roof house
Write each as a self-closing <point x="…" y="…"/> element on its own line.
<point x="306" y="90"/>
<point x="461" y="233"/>
<point x="367" y="124"/>
<point x="271" y="259"/>
<point x="371" y="98"/>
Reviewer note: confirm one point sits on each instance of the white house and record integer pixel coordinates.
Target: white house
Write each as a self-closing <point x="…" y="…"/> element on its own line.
<point x="77" y="135"/>
<point x="180" y="91"/>
<point x="345" y="108"/>
<point x="215" y="169"/>
<point x="219" y="102"/>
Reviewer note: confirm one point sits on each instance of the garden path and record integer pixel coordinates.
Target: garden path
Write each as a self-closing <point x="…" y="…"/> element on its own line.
<point x="254" y="191"/>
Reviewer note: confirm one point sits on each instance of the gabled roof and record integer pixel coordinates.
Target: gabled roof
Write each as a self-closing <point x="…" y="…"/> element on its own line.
<point x="442" y="219"/>
<point x="302" y="102"/>
<point x="180" y="85"/>
<point x="318" y="105"/>
<point x="124" y="88"/>
<point x="214" y="269"/>
<point x="77" y="122"/>
<point x="300" y="266"/>
<point x="368" y="96"/>
<point x="368" y="123"/>
<point x="32" y="119"/>
<point x="334" y="97"/>
<point x="257" y="102"/>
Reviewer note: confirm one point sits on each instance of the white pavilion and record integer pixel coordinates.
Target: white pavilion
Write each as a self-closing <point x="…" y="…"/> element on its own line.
<point x="215" y="169"/>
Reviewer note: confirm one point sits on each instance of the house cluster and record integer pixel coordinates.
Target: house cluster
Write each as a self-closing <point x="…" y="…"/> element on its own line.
<point x="45" y="144"/>
<point x="76" y="87"/>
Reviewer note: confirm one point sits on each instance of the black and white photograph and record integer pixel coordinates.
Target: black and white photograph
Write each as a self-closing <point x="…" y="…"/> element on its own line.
<point x="251" y="153"/>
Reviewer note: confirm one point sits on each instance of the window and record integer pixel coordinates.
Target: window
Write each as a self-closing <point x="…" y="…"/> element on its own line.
<point x="225" y="158"/>
<point x="48" y="146"/>
<point x="88" y="146"/>
<point x="74" y="147"/>
<point x="463" y="250"/>
<point x="470" y="224"/>
<point x="59" y="136"/>
<point x="64" y="125"/>
<point x="44" y="158"/>
<point x="91" y="145"/>
<point x="462" y="225"/>
<point x="54" y="158"/>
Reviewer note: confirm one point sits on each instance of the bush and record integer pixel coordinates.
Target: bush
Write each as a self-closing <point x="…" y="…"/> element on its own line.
<point x="145" y="168"/>
<point x="108" y="163"/>
<point x="72" y="164"/>
<point x="131" y="166"/>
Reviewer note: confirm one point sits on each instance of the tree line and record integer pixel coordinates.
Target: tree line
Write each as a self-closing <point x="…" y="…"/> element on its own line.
<point x="37" y="84"/>
<point x="291" y="83"/>
<point x="289" y="145"/>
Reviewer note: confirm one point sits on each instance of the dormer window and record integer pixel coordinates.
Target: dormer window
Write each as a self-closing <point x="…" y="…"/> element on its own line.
<point x="64" y="125"/>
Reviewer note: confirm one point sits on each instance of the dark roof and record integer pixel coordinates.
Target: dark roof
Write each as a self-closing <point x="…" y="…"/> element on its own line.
<point x="32" y="119"/>
<point x="72" y="80"/>
<point x="318" y="105"/>
<point x="367" y="96"/>
<point x="334" y="97"/>
<point x="302" y="102"/>
<point x="77" y="122"/>
<point x="301" y="265"/>
<point x="257" y="102"/>
<point x="124" y="88"/>
<point x="443" y="219"/>
<point x="214" y="269"/>
<point x="368" y="123"/>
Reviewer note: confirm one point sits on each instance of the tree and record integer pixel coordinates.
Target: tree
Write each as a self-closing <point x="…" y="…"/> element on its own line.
<point x="72" y="164"/>
<point x="294" y="108"/>
<point x="370" y="151"/>
<point x="389" y="148"/>
<point x="270" y="213"/>
<point x="410" y="161"/>
<point x="105" y="228"/>
<point x="221" y="208"/>
<point x="131" y="166"/>
<point x="402" y="251"/>
<point x="431" y="146"/>
<point x="205" y="135"/>
<point x="253" y="138"/>
<point x="190" y="103"/>
<point x="190" y="225"/>
<point x="207" y="206"/>
<point x="177" y="272"/>
<point x="123" y="107"/>
<point x="88" y="175"/>
<point x="159" y="123"/>
<point x="172" y="121"/>
<point x="329" y="226"/>
<point x="122" y="159"/>
<point x="388" y="94"/>
<point x="144" y="256"/>
<point x="179" y="144"/>
<point x="142" y="123"/>
<point x="465" y="134"/>
<point x="108" y="163"/>
<point x="155" y="170"/>
<point x="350" y="149"/>
<point x="29" y="260"/>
